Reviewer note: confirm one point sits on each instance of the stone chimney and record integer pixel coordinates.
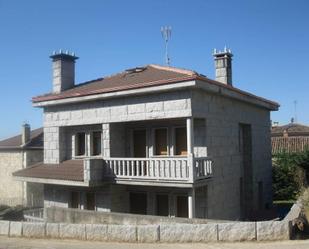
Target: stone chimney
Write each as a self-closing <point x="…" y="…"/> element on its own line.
<point x="63" y="70"/>
<point x="223" y="65"/>
<point x="25" y="133"/>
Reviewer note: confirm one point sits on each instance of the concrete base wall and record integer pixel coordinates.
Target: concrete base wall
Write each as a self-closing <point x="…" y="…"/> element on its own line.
<point x="243" y="231"/>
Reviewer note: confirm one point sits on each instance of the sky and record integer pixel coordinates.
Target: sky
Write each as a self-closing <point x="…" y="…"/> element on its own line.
<point x="269" y="40"/>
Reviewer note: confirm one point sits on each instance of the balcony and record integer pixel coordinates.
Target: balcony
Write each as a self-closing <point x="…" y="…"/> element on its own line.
<point x="171" y="171"/>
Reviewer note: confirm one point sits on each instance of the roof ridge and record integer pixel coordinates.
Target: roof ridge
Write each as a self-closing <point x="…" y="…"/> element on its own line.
<point x="174" y="69"/>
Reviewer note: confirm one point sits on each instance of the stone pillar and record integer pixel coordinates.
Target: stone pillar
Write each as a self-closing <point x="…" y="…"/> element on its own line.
<point x="191" y="203"/>
<point x="106" y="140"/>
<point x="190" y="144"/>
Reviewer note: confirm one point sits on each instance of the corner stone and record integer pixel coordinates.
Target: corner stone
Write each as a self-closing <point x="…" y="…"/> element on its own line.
<point x="4" y="227"/>
<point x="52" y="230"/>
<point x="16" y="229"/>
<point x="273" y="230"/>
<point x="122" y="233"/>
<point x="96" y="232"/>
<point x="148" y="233"/>
<point x="72" y="231"/>
<point x="33" y="229"/>
<point x="188" y="233"/>
<point x="240" y="231"/>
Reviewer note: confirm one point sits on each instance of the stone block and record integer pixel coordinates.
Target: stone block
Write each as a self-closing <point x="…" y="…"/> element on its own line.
<point x="273" y="230"/>
<point x="188" y="233"/>
<point x="72" y="231"/>
<point x="4" y="227"/>
<point x="240" y="231"/>
<point x="96" y="232"/>
<point x="34" y="229"/>
<point x="148" y="233"/>
<point x="52" y="230"/>
<point x="137" y="108"/>
<point x="122" y="233"/>
<point x="154" y="107"/>
<point x="16" y="229"/>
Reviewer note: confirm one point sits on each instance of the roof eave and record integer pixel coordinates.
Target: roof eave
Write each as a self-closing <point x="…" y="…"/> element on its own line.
<point x="129" y="92"/>
<point x="235" y="93"/>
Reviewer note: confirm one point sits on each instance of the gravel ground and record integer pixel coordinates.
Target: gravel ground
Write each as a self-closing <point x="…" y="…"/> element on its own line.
<point x="21" y="243"/>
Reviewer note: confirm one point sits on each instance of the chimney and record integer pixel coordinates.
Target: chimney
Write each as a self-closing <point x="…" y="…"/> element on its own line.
<point x="63" y="70"/>
<point x="223" y="65"/>
<point x="25" y="133"/>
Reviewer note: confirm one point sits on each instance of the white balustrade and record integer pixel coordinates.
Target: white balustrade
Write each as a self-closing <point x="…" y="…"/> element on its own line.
<point x="203" y="167"/>
<point x="147" y="168"/>
<point x="155" y="168"/>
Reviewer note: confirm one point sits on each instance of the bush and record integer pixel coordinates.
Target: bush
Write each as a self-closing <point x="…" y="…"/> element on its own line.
<point x="290" y="174"/>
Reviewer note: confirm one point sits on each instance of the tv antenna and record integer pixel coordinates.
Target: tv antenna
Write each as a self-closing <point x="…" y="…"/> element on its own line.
<point x="295" y="111"/>
<point x="166" y="35"/>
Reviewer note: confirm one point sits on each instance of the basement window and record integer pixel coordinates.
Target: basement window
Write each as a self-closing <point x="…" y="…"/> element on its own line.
<point x="80" y="144"/>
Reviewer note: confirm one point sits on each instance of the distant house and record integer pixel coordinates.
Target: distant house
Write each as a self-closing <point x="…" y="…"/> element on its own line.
<point x="155" y="140"/>
<point x="289" y="138"/>
<point x="16" y="153"/>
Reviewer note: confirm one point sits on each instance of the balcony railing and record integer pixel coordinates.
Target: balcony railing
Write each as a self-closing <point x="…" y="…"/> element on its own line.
<point x="173" y="169"/>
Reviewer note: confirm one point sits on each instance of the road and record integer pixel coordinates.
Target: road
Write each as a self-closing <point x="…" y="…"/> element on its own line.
<point x="22" y="243"/>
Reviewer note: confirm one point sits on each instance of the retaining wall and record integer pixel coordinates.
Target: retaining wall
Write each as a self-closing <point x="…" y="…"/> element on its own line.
<point x="167" y="233"/>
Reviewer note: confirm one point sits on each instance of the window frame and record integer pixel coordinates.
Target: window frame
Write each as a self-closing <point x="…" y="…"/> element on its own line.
<point x="167" y="141"/>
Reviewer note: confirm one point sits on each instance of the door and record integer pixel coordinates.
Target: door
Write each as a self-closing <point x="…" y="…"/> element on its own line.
<point x="181" y="141"/>
<point x="90" y="201"/>
<point x="138" y="203"/>
<point x="74" y="202"/>
<point x="161" y="142"/>
<point x="139" y="143"/>
<point x="162" y="205"/>
<point x="245" y="148"/>
<point x="182" y="206"/>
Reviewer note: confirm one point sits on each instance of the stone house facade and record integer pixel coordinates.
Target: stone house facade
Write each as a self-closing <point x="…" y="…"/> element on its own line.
<point x="155" y="140"/>
<point x="17" y="153"/>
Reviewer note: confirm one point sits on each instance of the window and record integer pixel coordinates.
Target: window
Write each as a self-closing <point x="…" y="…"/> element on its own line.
<point x="161" y="142"/>
<point x="181" y="141"/>
<point x="96" y="143"/>
<point x="74" y="203"/>
<point x="80" y="144"/>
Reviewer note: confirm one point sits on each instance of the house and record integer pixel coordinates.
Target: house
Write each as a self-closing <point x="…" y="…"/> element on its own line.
<point x="154" y="140"/>
<point x="289" y="138"/>
<point x="17" y="153"/>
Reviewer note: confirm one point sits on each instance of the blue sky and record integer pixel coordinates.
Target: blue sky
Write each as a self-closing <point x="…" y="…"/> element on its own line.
<point x="269" y="39"/>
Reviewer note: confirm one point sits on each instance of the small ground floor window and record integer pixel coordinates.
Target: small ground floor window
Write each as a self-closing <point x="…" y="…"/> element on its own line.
<point x="162" y="207"/>
<point x="138" y="203"/>
<point x="75" y="200"/>
<point x="182" y="206"/>
<point x="90" y="201"/>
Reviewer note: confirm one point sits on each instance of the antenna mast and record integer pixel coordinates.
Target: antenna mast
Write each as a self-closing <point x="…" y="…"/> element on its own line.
<point x="166" y="35"/>
<point x="295" y="111"/>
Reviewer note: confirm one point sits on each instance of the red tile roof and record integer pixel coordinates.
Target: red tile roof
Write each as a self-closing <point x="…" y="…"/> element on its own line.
<point x="36" y="141"/>
<point x="289" y="144"/>
<point x="70" y="170"/>
<point x="292" y="129"/>
<point x="151" y="75"/>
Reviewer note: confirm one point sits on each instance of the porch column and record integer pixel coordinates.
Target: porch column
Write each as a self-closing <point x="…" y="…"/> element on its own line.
<point x="190" y="144"/>
<point x="191" y="203"/>
<point x="106" y="140"/>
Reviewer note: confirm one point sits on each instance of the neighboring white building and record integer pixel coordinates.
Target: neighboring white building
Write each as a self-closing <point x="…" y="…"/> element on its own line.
<point x="155" y="140"/>
<point x="17" y="153"/>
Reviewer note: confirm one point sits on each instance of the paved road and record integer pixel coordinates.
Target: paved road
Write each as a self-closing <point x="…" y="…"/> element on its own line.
<point x="17" y="243"/>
